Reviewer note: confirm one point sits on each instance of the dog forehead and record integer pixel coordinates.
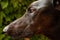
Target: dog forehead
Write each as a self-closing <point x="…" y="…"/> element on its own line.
<point x="38" y="4"/>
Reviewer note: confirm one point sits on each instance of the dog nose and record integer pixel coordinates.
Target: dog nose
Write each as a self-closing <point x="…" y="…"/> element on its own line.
<point x="5" y="29"/>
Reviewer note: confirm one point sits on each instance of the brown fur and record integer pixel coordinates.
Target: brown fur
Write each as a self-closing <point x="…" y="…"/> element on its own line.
<point x="45" y="21"/>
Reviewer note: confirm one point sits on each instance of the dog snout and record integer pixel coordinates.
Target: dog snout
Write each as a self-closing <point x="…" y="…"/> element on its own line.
<point x="5" y="29"/>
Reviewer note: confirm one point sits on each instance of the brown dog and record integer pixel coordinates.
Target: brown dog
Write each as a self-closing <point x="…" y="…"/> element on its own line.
<point x="40" y="18"/>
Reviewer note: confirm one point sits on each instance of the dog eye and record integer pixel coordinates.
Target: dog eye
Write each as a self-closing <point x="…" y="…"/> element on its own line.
<point x="30" y="10"/>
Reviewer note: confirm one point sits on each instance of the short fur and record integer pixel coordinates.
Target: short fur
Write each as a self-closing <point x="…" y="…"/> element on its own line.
<point x="40" y="18"/>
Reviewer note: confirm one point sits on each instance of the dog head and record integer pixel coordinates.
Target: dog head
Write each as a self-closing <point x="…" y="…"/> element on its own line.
<point x="35" y="17"/>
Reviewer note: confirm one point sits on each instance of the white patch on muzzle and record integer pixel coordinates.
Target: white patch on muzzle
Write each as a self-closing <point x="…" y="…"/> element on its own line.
<point x="6" y="28"/>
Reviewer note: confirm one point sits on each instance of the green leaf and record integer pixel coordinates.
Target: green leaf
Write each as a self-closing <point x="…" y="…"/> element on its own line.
<point x="8" y="37"/>
<point x="2" y="36"/>
<point x="1" y="17"/>
<point x="6" y="11"/>
<point x="4" y="4"/>
<point x="15" y="4"/>
<point x="8" y="19"/>
<point x="0" y="30"/>
<point x="10" y="9"/>
<point x="18" y="15"/>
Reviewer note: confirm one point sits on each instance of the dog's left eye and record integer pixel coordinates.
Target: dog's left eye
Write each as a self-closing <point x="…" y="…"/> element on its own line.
<point x="30" y="10"/>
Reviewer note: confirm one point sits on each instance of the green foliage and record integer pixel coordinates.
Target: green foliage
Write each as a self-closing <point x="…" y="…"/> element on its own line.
<point x="39" y="37"/>
<point x="11" y="10"/>
<point x="4" y="4"/>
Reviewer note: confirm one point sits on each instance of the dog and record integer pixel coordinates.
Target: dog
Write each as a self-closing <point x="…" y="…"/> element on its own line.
<point x="40" y="18"/>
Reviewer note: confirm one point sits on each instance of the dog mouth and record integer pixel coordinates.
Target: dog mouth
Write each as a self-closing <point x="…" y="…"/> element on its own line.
<point x="18" y="35"/>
